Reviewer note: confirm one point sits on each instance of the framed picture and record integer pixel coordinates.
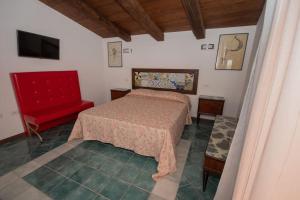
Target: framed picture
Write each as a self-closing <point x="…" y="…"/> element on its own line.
<point x="114" y="54"/>
<point x="231" y="51"/>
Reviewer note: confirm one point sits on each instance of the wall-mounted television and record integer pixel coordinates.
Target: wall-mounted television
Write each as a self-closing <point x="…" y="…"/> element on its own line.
<point x="37" y="46"/>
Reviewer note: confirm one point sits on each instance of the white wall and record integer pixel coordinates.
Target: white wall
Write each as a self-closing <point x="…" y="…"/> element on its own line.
<point x="182" y="50"/>
<point x="80" y="50"/>
<point x="86" y="52"/>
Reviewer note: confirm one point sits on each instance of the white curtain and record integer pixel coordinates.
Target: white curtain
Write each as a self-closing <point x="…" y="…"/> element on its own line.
<point x="280" y="21"/>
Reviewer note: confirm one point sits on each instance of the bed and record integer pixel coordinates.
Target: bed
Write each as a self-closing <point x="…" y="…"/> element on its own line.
<point x="146" y="121"/>
<point x="149" y="120"/>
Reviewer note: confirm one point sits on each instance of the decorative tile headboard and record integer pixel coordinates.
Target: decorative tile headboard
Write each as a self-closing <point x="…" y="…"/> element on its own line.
<point x="178" y="80"/>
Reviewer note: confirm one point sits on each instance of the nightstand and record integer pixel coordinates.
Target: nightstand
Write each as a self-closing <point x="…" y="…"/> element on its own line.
<point x="118" y="93"/>
<point x="210" y="105"/>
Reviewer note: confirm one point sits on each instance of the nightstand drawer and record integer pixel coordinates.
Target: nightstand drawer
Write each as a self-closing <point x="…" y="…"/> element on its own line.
<point x="210" y="107"/>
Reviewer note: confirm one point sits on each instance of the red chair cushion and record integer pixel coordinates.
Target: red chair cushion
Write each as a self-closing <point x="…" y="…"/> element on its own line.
<point x="50" y="114"/>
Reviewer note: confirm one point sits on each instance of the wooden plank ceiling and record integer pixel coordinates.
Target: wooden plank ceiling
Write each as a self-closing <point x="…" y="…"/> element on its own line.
<point x="123" y="18"/>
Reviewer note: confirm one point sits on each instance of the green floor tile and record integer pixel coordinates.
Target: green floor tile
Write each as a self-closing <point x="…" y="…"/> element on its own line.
<point x="82" y="174"/>
<point x="190" y="193"/>
<point x="135" y="193"/>
<point x="100" y="197"/>
<point x="44" y="179"/>
<point x="85" y="157"/>
<point x="137" y="161"/>
<point x="75" y="152"/>
<point x="193" y="173"/>
<point x="81" y="193"/>
<point x="122" y="155"/>
<point x="93" y="146"/>
<point x="128" y="173"/>
<point x="22" y="150"/>
<point x="108" y="151"/>
<point x="111" y="167"/>
<point x="64" y="190"/>
<point x="150" y="165"/>
<point x="93" y="164"/>
<point x="64" y="165"/>
<point x="96" y="181"/>
<point x="115" y="189"/>
<point x="96" y="161"/>
<point x="144" y="181"/>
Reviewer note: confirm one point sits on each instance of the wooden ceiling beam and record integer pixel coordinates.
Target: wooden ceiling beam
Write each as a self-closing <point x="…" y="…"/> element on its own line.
<point x="194" y="15"/>
<point x="93" y="13"/>
<point x="68" y="7"/>
<point x="137" y="12"/>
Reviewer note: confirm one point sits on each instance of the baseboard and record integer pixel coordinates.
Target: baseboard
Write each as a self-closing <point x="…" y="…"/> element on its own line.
<point x="207" y="117"/>
<point x="11" y="138"/>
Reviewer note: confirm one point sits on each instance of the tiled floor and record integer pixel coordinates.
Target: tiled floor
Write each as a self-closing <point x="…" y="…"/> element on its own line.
<point x="21" y="151"/>
<point x="94" y="170"/>
<point x="190" y="187"/>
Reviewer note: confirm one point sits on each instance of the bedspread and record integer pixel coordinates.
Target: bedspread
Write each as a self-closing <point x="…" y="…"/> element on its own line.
<point x="149" y="124"/>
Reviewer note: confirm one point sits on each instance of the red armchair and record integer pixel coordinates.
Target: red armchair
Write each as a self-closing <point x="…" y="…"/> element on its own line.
<point x="48" y="99"/>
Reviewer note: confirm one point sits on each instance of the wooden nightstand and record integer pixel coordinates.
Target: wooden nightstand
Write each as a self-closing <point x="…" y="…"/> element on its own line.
<point x="210" y="105"/>
<point x="118" y="93"/>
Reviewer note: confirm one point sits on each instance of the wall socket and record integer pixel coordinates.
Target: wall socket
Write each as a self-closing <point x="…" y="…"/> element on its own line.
<point x="127" y="50"/>
<point x="207" y="46"/>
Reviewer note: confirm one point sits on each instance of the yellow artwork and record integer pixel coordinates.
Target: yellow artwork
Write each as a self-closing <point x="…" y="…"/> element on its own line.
<point x="231" y="51"/>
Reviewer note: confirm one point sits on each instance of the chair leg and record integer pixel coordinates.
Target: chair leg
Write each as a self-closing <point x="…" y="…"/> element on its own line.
<point x="34" y="130"/>
<point x="205" y="178"/>
<point x="198" y="118"/>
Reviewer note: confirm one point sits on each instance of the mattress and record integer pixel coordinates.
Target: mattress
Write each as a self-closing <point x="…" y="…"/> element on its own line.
<point x="148" y="122"/>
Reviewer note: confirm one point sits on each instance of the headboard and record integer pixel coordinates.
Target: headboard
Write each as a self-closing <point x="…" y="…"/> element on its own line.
<point x="178" y="80"/>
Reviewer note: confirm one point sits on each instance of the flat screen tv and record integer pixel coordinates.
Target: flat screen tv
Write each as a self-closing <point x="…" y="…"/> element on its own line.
<point x="37" y="46"/>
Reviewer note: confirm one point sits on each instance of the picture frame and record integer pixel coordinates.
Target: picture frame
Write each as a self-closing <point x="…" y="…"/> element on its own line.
<point x="114" y="51"/>
<point x="231" y="51"/>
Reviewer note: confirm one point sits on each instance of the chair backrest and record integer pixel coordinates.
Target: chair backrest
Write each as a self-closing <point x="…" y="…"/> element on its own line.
<point x="36" y="91"/>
